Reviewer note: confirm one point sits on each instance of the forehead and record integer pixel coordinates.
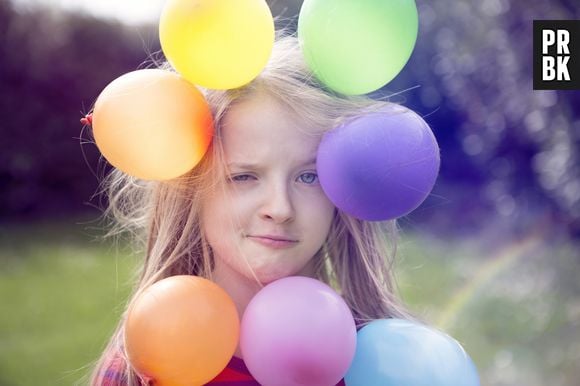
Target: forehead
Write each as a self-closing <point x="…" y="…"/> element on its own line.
<point x="261" y="128"/>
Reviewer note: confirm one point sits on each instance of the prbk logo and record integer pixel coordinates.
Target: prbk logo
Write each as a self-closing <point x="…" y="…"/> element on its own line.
<point x="556" y="54"/>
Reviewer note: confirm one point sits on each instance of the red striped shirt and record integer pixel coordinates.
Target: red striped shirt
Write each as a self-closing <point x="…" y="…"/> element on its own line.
<point x="235" y="374"/>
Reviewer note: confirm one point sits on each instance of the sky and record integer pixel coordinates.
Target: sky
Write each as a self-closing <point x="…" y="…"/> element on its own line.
<point x="127" y="11"/>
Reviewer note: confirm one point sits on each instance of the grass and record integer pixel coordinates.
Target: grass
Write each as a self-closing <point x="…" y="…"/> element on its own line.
<point x="61" y="296"/>
<point x="514" y="308"/>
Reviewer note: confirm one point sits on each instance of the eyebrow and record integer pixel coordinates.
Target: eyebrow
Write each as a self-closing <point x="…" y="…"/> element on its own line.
<point x="246" y="165"/>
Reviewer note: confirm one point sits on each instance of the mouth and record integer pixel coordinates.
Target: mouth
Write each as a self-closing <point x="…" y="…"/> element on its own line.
<point x="275" y="237"/>
<point x="273" y="241"/>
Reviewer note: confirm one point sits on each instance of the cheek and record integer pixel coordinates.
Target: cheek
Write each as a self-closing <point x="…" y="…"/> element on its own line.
<point x="222" y="219"/>
<point x="320" y="213"/>
<point x="213" y="220"/>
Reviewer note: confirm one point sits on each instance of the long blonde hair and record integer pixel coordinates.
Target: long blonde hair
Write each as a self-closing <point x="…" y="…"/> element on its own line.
<point x="164" y="217"/>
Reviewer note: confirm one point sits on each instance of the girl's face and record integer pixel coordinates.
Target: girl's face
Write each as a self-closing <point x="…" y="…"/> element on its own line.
<point x="272" y="217"/>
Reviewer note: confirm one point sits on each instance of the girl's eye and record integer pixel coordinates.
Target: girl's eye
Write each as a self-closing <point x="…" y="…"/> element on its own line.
<point x="308" y="178"/>
<point x="241" y="178"/>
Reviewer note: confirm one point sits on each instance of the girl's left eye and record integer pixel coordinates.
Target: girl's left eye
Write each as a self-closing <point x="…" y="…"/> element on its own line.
<point x="308" y="178"/>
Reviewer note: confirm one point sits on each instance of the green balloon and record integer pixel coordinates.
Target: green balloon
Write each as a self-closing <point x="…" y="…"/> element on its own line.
<point x="357" y="46"/>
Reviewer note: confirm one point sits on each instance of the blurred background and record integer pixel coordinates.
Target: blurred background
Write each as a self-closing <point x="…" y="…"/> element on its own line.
<point x="491" y="257"/>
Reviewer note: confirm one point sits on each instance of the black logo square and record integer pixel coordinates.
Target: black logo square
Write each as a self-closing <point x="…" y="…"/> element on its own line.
<point x="556" y="54"/>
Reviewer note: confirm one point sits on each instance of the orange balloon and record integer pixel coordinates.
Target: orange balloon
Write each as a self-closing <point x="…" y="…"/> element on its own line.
<point x="181" y="331"/>
<point x="152" y="124"/>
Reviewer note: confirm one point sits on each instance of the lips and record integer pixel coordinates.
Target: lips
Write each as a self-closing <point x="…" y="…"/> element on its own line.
<point x="275" y="237"/>
<point x="274" y="241"/>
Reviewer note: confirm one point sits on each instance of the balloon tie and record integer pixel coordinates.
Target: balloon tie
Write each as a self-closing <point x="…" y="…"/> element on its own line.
<point x="87" y="120"/>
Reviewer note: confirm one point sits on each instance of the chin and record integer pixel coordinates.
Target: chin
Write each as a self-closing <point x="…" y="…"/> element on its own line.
<point x="266" y="277"/>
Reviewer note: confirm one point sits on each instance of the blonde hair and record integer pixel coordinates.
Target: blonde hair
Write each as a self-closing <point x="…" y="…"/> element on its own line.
<point x="164" y="217"/>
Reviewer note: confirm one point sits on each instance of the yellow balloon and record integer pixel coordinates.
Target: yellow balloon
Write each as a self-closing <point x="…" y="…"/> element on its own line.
<point x="152" y="124"/>
<point x="218" y="44"/>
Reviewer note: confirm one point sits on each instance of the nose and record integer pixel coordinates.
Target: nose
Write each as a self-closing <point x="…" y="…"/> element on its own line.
<point x="277" y="204"/>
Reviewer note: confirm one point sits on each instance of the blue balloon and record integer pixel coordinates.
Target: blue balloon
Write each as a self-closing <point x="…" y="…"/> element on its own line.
<point x="396" y="352"/>
<point x="380" y="165"/>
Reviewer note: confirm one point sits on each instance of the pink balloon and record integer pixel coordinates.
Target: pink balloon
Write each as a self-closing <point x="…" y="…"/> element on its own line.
<point x="298" y="331"/>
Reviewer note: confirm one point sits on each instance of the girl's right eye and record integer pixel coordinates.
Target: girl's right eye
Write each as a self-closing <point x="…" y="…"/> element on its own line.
<point x="241" y="178"/>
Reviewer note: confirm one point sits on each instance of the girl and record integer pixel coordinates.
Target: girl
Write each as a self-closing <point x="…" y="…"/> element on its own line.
<point x="253" y="210"/>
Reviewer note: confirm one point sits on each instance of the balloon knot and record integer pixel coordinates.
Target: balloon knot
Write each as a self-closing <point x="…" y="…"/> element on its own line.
<point x="87" y="120"/>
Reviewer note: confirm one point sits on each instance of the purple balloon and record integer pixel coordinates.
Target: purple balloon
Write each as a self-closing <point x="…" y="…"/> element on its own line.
<point x="380" y="165"/>
<point x="298" y="331"/>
